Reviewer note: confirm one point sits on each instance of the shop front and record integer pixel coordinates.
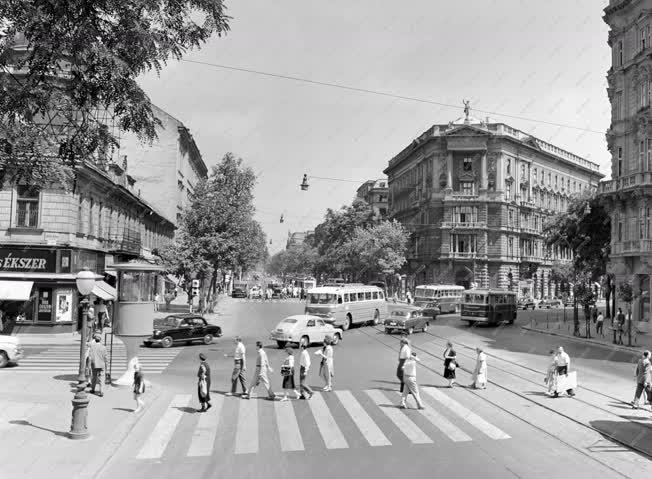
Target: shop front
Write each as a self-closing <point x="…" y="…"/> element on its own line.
<point x="38" y="291"/>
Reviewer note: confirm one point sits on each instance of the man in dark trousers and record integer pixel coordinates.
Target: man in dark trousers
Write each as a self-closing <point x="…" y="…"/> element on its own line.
<point x="620" y="325"/>
<point x="204" y="384"/>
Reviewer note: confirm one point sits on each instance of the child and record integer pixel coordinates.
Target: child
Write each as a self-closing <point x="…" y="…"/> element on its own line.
<point x="287" y="371"/>
<point x="139" y="387"/>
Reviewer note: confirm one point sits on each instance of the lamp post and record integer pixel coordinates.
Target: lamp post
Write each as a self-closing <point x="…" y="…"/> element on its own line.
<point x="78" y="429"/>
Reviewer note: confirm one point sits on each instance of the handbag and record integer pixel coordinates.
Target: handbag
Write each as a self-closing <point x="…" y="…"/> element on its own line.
<point x="286" y="370"/>
<point x="452" y="365"/>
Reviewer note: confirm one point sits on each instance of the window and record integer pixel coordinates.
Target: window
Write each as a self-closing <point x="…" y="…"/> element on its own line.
<point x="374" y="295"/>
<point x="641" y="39"/>
<point x="510" y="247"/>
<point x="468" y="164"/>
<point x="641" y="223"/>
<point x="80" y="215"/>
<point x="620" y="161"/>
<point x="360" y="296"/>
<point x="510" y="218"/>
<point x="642" y="90"/>
<point x="618" y="106"/>
<point x="509" y="166"/>
<point x="353" y="297"/>
<point x="556" y="183"/>
<point x="542" y="174"/>
<point x="549" y="179"/>
<point x="346" y="297"/>
<point x="27" y="207"/>
<point x="523" y="171"/>
<point x="508" y="190"/>
<point x="568" y="184"/>
<point x="310" y="323"/>
<point x="620" y="54"/>
<point x="100" y="225"/>
<point x="647" y="223"/>
<point x="620" y="231"/>
<point x="91" y="223"/>
<point x="367" y="296"/>
<point x="534" y="174"/>
<point x="641" y="155"/>
<point x="467" y="188"/>
<point x="536" y="222"/>
<point x="649" y="155"/>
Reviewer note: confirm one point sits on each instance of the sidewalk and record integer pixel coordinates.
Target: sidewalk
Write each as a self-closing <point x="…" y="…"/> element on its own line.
<point x="35" y="417"/>
<point x="640" y="341"/>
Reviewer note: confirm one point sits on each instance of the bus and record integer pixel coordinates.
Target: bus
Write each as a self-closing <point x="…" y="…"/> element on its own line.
<point x="446" y="296"/>
<point x="347" y="304"/>
<point x="491" y="306"/>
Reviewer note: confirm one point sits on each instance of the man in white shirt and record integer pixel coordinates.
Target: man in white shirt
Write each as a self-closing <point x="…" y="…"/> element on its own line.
<point x="404" y="353"/>
<point x="262" y="368"/>
<point x="304" y="366"/>
<point x="410" y="378"/>
<point x="562" y="361"/>
<point x="239" y="367"/>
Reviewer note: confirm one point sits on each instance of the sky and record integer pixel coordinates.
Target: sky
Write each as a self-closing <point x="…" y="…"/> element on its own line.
<point x="542" y="61"/>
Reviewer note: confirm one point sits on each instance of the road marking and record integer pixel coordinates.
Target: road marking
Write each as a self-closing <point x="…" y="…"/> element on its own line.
<point x="162" y="433"/>
<point x="444" y="425"/>
<point x="203" y="438"/>
<point x="330" y="432"/>
<point x="411" y="430"/>
<point x="366" y="425"/>
<point x="470" y="417"/>
<point x="288" y="428"/>
<point x="246" y="438"/>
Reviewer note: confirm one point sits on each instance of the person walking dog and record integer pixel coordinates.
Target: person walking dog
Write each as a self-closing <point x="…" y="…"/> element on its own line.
<point x="304" y="367"/>
<point x="204" y="383"/>
<point x="262" y="368"/>
<point x="239" y="367"/>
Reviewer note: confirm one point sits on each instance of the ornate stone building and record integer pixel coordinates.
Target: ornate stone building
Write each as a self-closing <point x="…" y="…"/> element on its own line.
<point x="375" y="192"/>
<point x="475" y="196"/>
<point x="629" y="139"/>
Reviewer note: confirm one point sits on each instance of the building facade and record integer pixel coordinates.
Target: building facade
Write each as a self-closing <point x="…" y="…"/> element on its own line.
<point x="375" y="193"/>
<point x="49" y="234"/>
<point x="297" y="238"/>
<point x="167" y="170"/>
<point x="475" y="196"/>
<point x="629" y="139"/>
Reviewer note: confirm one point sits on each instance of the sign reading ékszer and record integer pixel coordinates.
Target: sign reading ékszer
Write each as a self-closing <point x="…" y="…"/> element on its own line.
<point x="28" y="260"/>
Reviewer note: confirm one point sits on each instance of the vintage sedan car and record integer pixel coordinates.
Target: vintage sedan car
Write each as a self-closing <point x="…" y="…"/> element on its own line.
<point x="550" y="303"/>
<point x="182" y="328"/>
<point x="10" y="350"/>
<point x="429" y="309"/>
<point x="525" y="303"/>
<point x="406" y="320"/>
<point x="255" y="292"/>
<point x="304" y="329"/>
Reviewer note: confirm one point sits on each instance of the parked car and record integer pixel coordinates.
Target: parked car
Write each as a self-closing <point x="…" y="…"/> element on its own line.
<point x="407" y="320"/>
<point x="239" y="291"/>
<point x="304" y="329"/>
<point x="550" y="303"/>
<point x="182" y="328"/>
<point x="255" y="292"/>
<point x="10" y="350"/>
<point x="525" y="303"/>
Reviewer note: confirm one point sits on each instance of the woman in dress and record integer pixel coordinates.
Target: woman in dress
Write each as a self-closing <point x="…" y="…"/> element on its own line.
<point x="551" y="374"/>
<point x="480" y="372"/>
<point x="287" y="371"/>
<point x="450" y="364"/>
<point x="326" y="366"/>
<point x="138" y="387"/>
<point x="204" y="384"/>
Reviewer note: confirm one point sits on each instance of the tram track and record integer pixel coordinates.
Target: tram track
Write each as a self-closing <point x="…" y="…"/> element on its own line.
<point x="499" y="406"/>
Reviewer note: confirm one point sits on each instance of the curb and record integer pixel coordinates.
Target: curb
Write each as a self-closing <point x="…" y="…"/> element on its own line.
<point x="101" y="459"/>
<point x="629" y="349"/>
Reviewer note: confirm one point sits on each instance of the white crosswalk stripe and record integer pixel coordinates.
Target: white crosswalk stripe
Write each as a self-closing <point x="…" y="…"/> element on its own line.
<point x="243" y="428"/>
<point x="65" y="359"/>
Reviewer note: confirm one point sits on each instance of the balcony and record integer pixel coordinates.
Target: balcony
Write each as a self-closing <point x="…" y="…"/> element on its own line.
<point x="461" y="197"/>
<point x="531" y="259"/>
<point x="625" y="183"/>
<point x="466" y="255"/>
<point x="632" y="247"/>
<point x="528" y="204"/>
<point x="530" y="231"/>
<point x="127" y="243"/>
<point x="469" y="225"/>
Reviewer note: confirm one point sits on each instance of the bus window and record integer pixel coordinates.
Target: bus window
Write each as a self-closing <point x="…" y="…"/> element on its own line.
<point x="375" y="295"/>
<point x="352" y="297"/>
<point x="346" y="297"/>
<point x="323" y="298"/>
<point x="339" y="299"/>
<point x="381" y="295"/>
<point x="360" y="296"/>
<point x="367" y="295"/>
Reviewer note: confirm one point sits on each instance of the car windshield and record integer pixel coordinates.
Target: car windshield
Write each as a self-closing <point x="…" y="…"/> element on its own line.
<point x="289" y="320"/>
<point x="323" y="298"/>
<point x="169" y="322"/>
<point x="400" y="313"/>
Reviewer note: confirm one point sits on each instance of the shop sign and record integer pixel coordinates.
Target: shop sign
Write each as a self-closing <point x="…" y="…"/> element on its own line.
<point x="45" y="304"/>
<point x="28" y="260"/>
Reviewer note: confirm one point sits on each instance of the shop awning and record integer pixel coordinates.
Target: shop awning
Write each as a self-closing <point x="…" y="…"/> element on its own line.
<point x="104" y="291"/>
<point x="15" y="290"/>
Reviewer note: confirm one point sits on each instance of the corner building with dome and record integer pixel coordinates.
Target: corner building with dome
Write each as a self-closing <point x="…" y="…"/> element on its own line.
<point x="475" y="196"/>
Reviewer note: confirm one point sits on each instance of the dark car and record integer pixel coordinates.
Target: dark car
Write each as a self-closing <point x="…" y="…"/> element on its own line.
<point x="429" y="308"/>
<point x="238" y="292"/>
<point x="406" y="320"/>
<point x="182" y="328"/>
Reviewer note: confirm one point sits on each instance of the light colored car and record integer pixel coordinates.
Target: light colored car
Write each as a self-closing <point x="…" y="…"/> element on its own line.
<point x="304" y="329"/>
<point x="549" y="303"/>
<point x="10" y="350"/>
<point x="255" y="292"/>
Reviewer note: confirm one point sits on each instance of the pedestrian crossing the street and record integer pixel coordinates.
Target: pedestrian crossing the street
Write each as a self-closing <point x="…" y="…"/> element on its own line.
<point x="328" y="421"/>
<point x="65" y="360"/>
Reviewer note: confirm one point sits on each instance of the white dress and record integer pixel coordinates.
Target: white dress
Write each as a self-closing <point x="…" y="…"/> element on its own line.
<point x="480" y="373"/>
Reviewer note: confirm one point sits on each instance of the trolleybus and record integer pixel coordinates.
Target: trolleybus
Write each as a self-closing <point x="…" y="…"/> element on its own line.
<point x="444" y="296"/>
<point x="347" y="304"/>
<point x="491" y="306"/>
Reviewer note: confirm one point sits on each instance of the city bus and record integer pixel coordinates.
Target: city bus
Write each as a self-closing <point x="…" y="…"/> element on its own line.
<point x="446" y="296"/>
<point x="491" y="306"/>
<point x="347" y="304"/>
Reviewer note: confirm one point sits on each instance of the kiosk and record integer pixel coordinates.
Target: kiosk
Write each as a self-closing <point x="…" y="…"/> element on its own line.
<point x="134" y="315"/>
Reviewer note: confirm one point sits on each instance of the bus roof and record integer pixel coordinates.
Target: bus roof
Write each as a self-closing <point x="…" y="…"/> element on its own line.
<point x="490" y="291"/>
<point x="439" y="287"/>
<point x="344" y="288"/>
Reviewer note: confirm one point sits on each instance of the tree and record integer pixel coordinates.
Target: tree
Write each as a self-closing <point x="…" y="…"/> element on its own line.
<point x="299" y="261"/>
<point x="69" y="70"/>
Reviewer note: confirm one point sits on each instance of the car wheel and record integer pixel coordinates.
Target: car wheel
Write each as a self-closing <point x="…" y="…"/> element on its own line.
<point x="425" y="327"/>
<point x="208" y="339"/>
<point x="4" y="359"/>
<point x="336" y="338"/>
<point x="410" y="330"/>
<point x="281" y="344"/>
<point x="376" y="317"/>
<point x="347" y="322"/>
<point x="305" y="341"/>
<point x="388" y="331"/>
<point x="167" y="341"/>
<point x="471" y="323"/>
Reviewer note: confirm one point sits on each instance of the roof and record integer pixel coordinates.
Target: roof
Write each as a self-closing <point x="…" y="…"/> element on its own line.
<point x="487" y="291"/>
<point x="344" y="288"/>
<point x="441" y="286"/>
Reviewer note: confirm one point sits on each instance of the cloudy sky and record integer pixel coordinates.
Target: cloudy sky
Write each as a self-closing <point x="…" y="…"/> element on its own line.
<point x="543" y="62"/>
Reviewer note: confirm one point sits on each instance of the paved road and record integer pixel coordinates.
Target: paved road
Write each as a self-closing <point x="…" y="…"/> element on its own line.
<point x="357" y="430"/>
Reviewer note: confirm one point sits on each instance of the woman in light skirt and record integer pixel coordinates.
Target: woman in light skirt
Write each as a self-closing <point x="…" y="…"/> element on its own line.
<point x="287" y="371"/>
<point x="480" y="372"/>
<point x="326" y="367"/>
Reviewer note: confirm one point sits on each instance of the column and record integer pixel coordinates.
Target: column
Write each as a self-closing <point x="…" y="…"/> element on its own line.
<point x="529" y="182"/>
<point x="483" y="171"/>
<point x="500" y="172"/>
<point x="449" y="170"/>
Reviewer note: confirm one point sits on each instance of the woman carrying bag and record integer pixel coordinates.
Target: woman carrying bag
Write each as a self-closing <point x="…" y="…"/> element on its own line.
<point x="450" y="364"/>
<point x="287" y="371"/>
<point x="204" y="384"/>
<point x="326" y="366"/>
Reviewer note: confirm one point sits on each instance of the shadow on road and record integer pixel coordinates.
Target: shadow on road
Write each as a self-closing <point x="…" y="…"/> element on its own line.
<point x="22" y="422"/>
<point x="629" y="434"/>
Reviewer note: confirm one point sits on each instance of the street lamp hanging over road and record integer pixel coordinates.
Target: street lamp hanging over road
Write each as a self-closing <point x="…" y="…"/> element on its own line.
<point x="85" y="281"/>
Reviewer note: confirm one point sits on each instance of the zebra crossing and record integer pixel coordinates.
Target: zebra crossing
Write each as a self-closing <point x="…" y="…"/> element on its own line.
<point x="239" y="427"/>
<point x="65" y="359"/>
